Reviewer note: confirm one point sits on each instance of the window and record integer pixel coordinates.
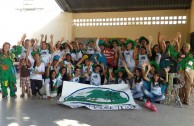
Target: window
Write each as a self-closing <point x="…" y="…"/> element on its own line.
<point x="184" y="17"/>
<point x="155" y="20"/>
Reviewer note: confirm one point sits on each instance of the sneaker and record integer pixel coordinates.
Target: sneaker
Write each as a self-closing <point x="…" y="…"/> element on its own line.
<point x="49" y="98"/>
<point x="4" y="97"/>
<point x="14" y="96"/>
<point x="29" y="95"/>
<point x="148" y="104"/>
<point x="153" y="108"/>
<point x="141" y="99"/>
<point x="40" y="97"/>
<point x="22" y="95"/>
<point x="188" y="103"/>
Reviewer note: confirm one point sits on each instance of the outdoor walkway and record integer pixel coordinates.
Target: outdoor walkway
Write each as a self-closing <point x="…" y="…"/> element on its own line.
<point x="36" y="112"/>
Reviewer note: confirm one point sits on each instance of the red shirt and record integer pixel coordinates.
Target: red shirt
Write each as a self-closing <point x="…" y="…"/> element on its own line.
<point x="110" y="56"/>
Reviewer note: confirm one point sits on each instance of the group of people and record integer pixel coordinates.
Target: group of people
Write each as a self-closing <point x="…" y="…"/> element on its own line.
<point x="43" y="66"/>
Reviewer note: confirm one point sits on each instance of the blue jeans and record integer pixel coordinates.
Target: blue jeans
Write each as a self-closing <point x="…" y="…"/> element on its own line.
<point x="137" y="94"/>
<point x="153" y="97"/>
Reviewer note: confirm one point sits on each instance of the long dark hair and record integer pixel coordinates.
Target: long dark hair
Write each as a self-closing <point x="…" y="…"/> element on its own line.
<point x="51" y="79"/>
<point x="60" y="70"/>
<point x="124" y="77"/>
<point x="35" y="62"/>
<point x="140" y="78"/>
<point x="153" y="58"/>
<point x="159" y="80"/>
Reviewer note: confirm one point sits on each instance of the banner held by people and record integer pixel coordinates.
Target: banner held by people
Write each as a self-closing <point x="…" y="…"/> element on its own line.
<point x="105" y="97"/>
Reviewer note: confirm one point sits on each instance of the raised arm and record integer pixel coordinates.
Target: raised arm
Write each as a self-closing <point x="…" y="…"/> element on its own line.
<point x="69" y="69"/>
<point x="148" y="48"/>
<point x="179" y="35"/>
<point x="35" y="45"/>
<point x="48" y="68"/>
<point x="55" y="66"/>
<point x="71" y="48"/>
<point x="45" y="38"/>
<point x="110" y="70"/>
<point x="126" y="68"/>
<point x="97" y="47"/>
<point x="161" y="41"/>
<point x="146" y="75"/>
<point x="79" y="63"/>
<point x="166" y="71"/>
<point x="103" y="69"/>
<point x="41" y="38"/>
<point x="28" y="52"/>
<point x="51" y="44"/>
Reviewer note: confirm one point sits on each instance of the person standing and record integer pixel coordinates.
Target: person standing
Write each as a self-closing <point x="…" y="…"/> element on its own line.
<point x="7" y="70"/>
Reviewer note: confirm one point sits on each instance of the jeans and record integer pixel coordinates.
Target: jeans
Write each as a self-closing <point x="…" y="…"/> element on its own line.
<point x="137" y="94"/>
<point x="153" y="97"/>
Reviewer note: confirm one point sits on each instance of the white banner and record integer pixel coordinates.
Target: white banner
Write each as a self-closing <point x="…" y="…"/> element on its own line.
<point x="105" y="97"/>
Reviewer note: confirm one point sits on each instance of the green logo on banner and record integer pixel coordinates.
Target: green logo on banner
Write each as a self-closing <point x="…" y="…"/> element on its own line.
<point x="98" y="96"/>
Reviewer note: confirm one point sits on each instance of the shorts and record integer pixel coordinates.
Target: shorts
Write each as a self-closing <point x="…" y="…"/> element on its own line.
<point x="25" y="81"/>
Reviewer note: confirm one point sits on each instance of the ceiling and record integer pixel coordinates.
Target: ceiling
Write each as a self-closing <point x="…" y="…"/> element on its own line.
<point x="80" y="6"/>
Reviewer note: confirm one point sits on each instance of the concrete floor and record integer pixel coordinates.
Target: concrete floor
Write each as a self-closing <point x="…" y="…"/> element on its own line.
<point x="36" y="112"/>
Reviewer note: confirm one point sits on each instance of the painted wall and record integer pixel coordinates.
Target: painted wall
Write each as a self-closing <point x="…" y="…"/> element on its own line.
<point x="14" y="25"/>
<point x="192" y="17"/>
<point x="59" y="26"/>
<point x="132" y="31"/>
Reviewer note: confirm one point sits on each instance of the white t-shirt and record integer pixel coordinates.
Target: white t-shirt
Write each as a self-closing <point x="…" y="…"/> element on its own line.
<point x="41" y="68"/>
<point x="79" y="55"/>
<point x="76" y="56"/>
<point x="138" y="86"/>
<point x="158" y="57"/>
<point x="47" y="81"/>
<point x="156" y="89"/>
<point x="67" y="62"/>
<point x="75" y="79"/>
<point x="90" y="50"/>
<point x="57" y="52"/>
<point x="59" y="80"/>
<point x="143" y="59"/>
<point x="121" y="81"/>
<point x="95" y="79"/>
<point x="85" y="70"/>
<point x="129" y="58"/>
<point x="45" y="56"/>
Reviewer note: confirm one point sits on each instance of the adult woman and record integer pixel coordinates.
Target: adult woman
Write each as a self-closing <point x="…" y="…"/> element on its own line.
<point x="38" y="71"/>
<point x="7" y="70"/>
<point x="186" y="63"/>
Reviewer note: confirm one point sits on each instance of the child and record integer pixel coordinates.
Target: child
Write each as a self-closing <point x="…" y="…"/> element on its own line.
<point x="155" y="93"/>
<point x="90" y="48"/>
<point x="138" y="82"/>
<point x="122" y="74"/>
<point x="95" y="78"/>
<point x="85" y="68"/>
<point x="156" y="56"/>
<point x="50" y="83"/>
<point x="77" y="77"/>
<point x="130" y="54"/>
<point x="25" y="73"/>
<point x="143" y="57"/>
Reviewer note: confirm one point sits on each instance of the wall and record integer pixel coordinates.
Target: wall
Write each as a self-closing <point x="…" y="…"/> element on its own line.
<point x="192" y="17"/>
<point x="132" y="31"/>
<point x="59" y="26"/>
